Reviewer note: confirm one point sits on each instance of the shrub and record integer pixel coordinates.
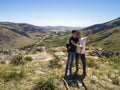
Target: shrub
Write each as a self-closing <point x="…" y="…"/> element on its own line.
<point x="28" y="58"/>
<point x="33" y="52"/>
<point x="115" y="60"/>
<point x="91" y="63"/>
<point x="2" y="62"/>
<point x="116" y="81"/>
<point x="14" y="74"/>
<point x="55" y="63"/>
<point x="17" y="60"/>
<point x="43" y="84"/>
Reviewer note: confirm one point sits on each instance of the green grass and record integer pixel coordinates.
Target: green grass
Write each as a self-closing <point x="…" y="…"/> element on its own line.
<point x="110" y="43"/>
<point x="22" y="77"/>
<point x="17" y="60"/>
<point x="11" y="40"/>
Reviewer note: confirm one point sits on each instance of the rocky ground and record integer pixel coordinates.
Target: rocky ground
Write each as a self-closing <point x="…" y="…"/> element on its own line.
<point x="47" y="64"/>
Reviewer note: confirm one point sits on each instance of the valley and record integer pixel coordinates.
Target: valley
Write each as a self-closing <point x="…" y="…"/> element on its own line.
<point x="34" y="58"/>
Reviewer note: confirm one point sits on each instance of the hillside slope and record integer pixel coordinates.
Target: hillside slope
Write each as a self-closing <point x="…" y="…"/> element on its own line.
<point x="10" y="39"/>
<point x="16" y="35"/>
<point x="105" y="26"/>
<point x="106" y="35"/>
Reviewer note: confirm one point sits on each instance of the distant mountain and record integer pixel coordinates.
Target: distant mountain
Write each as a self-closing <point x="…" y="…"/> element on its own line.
<point x="18" y="34"/>
<point x="106" y="35"/>
<point x="21" y="28"/>
<point x="62" y="28"/>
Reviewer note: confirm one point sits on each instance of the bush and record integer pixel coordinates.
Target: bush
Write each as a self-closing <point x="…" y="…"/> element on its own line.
<point x="33" y="52"/>
<point x="55" y="63"/>
<point x="114" y="62"/>
<point x="28" y="58"/>
<point x="2" y="62"/>
<point x="17" y="60"/>
<point x="14" y="74"/>
<point x="91" y="63"/>
<point x="43" y="84"/>
<point x="116" y="81"/>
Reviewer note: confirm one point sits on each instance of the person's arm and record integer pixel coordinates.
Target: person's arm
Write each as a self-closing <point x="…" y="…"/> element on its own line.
<point x="73" y="42"/>
<point x="89" y="35"/>
<point x="76" y="44"/>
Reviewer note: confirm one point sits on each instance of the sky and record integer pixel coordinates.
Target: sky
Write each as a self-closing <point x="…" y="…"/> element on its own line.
<point x="59" y="12"/>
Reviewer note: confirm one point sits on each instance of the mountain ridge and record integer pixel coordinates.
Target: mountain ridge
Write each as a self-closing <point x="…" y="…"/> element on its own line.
<point x="104" y="26"/>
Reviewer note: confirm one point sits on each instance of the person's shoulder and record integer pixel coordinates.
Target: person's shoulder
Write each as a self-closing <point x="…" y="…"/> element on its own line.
<point x="83" y="38"/>
<point x="71" y="38"/>
<point x="77" y="39"/>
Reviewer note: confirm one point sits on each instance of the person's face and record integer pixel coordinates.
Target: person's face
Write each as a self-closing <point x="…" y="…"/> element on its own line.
<point x="74" y="35"/>
<point x="78" y="35"/>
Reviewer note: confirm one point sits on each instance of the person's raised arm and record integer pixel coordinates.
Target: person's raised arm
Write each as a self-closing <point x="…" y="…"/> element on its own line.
<point x="89" y="35"/>
<point x="76" y="44"/>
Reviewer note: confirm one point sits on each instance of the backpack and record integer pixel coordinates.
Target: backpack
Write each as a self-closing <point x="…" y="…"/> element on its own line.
<point x="68" y="46"/>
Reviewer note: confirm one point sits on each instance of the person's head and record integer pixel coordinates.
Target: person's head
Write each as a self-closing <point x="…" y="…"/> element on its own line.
<point x="74" y="33"/>
<point x="78" y="35"/>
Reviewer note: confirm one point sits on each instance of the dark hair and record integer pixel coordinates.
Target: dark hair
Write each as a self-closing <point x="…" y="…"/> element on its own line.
<point x="74" y="31"/>
<point x="77" y="32"/>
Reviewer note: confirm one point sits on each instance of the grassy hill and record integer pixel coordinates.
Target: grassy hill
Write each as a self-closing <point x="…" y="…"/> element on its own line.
<point x="106" y="35"/>
<point x="10" y="39"/>
<point x="17" y="35"/>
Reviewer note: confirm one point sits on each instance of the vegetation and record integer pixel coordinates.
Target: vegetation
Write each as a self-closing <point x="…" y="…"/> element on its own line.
<point x="28" y="58"/>
<point x="91" y="63"/>
<point x="20" y="74"/>
<point x="18" y="60"/>
<point x="108" y="39"/>
<point x="43" y="84"/>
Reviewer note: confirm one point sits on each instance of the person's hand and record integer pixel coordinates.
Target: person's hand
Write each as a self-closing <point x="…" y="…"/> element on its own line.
<point x="90" y="32"/>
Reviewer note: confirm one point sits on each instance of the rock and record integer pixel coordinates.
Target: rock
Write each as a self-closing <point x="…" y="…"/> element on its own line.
<point x="39" y="72"/>
<point x="59" y="53"/>
<point x="58" y="49"/>
<point x="99" y="52"/>
<point x="117" y="71"/>
<point x="42" y="56"/>
<point x="112" y="76"/>
<point x="117" y="54"/>
<point x="61" y="84"/>
<point x="116" y="80"/>
<point x="94" y="79"/>
<point x="41" y="49"/>
<point x="80" y="84"/>
<point x="14" y="51"/>
<point x="93" y="53"/>
<point x="107" y="43"/>
<point x="18" y="72"/>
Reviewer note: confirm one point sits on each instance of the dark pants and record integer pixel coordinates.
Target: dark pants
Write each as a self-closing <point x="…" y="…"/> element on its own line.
<point x="71" y="56"/>
<point x="83" y="59"/>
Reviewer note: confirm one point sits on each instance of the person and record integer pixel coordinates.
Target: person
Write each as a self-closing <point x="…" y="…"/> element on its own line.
<point x="71" y="52"/>
<point x="80" y="52"/>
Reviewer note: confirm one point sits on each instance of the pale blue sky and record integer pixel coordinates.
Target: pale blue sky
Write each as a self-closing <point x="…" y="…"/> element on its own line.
<point x="59" y="12"/>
